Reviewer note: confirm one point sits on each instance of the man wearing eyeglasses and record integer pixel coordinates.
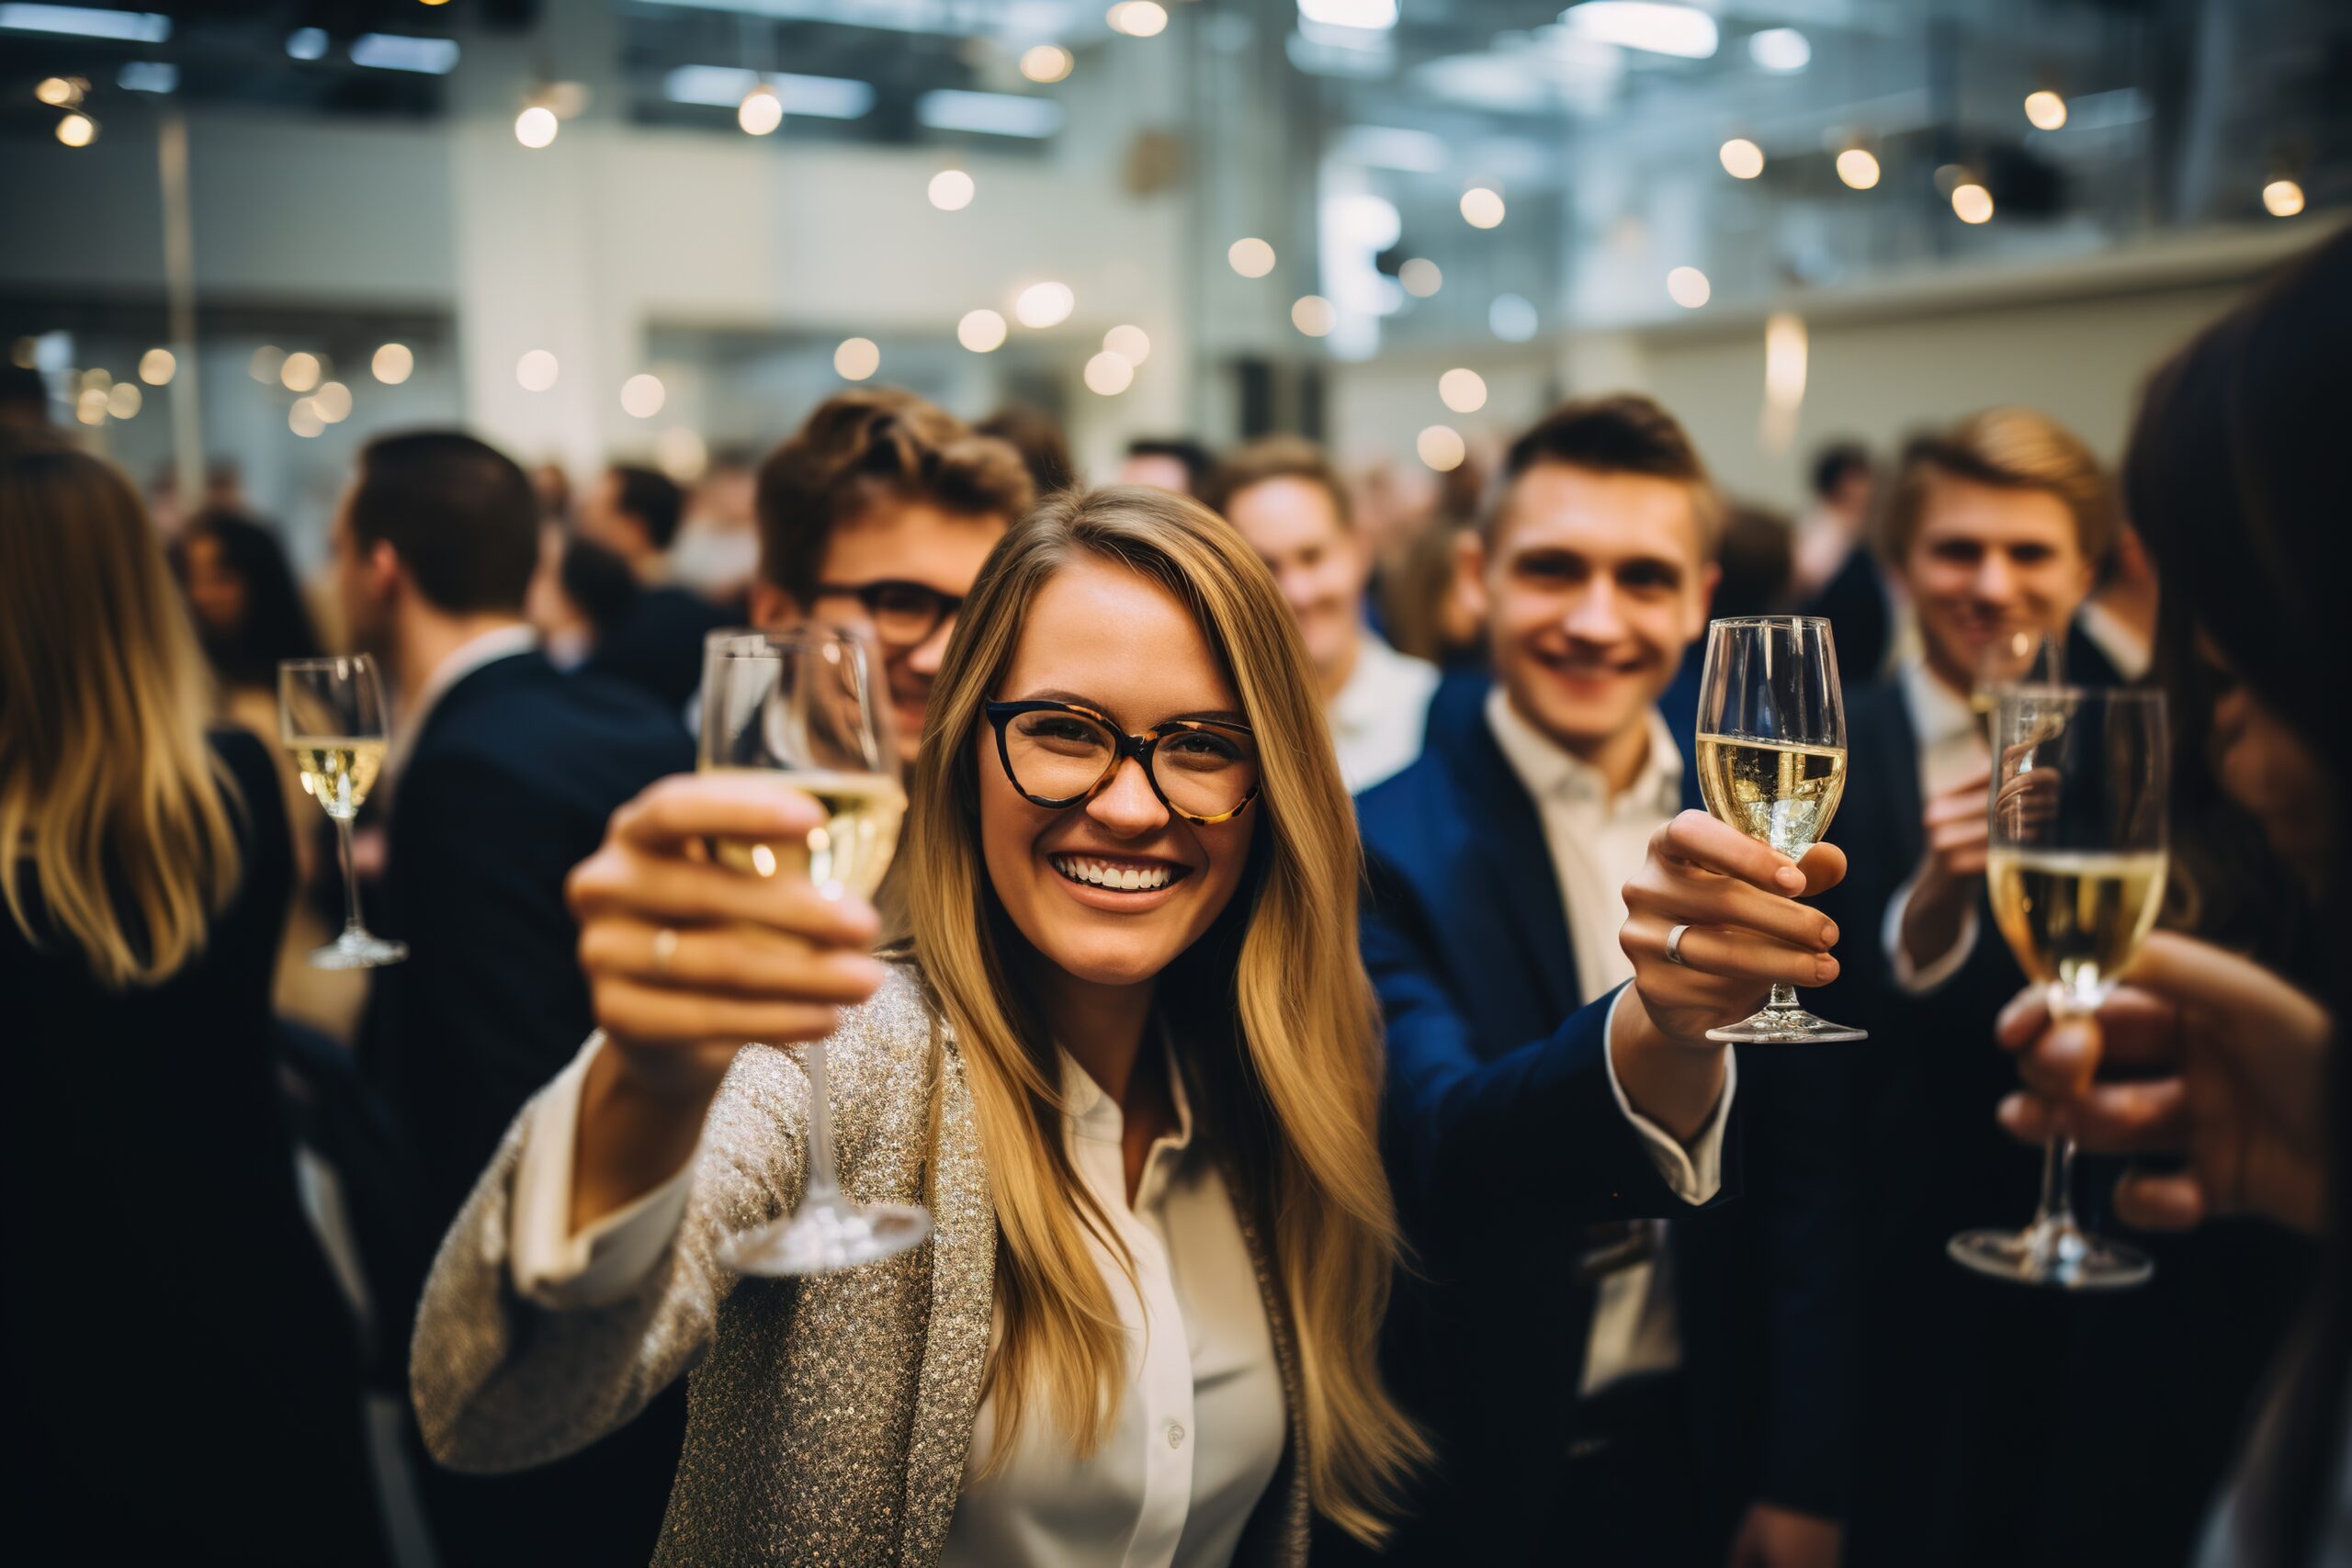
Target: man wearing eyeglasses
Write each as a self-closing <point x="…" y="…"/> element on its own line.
<point x="876" y="514"/>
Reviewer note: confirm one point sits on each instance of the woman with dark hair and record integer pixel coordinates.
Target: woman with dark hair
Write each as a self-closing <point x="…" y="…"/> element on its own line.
<point x="2235" y="482"/>
<point x="249" y="610"/>
<point x="249" y="614"/>
<point x="166" y="1295"/>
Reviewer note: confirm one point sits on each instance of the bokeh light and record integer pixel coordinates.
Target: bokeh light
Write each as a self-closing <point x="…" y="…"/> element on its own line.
<point x="856" y="359"/>
<point x="1421" y="278"/>
<point x="1742" y="158"/>
<point x="156" y="365"/>
<point x="1442" y="447"/>
<point x="952" y="190"/>
<point x="2046" y="109"/>
<point x="1109" y="374"/>
<point x="1688" y="286"/>
<point x="332" y="400"/>
<point x="392" y="363"/>
<point x="1463" y="391"/>
<point x="2282" y="199"/>
<point x="981" y="331"/>
<point x="304" y="419"/>
<point x="300" y="372"/>
<point x="1045" y="305"/>
<point x="1973" y="203"/>
<point x="1250" y="258"/>
<point x="1482" y="208"/>
<point x="1138" y="19"/>
<point x="1313" y="315"/>
<point x="536" y="126"/>
<point x="536" y="371"/>
<point x="1858" y="168"/>
<point x="1131" y="344"/>
<point x="761" y="111"/>
<point x="123" y="402"/>
<point x="1046" y="63"/>
<point x="77" y="131"/>
<point x="642" y="395"/>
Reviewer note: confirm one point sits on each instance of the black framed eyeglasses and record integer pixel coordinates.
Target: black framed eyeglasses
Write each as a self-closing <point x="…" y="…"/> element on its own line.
<point x="1060" y="754"/>
<point x="904" y="613"/>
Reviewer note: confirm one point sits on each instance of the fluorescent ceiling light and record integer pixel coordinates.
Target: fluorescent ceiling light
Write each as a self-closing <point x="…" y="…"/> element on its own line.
<point x="1392" y="147"/>
<point x="148" y="76"/>
<point x="1372" y="14"/>
<point x="1780" y="49"/>
<point x="1650" y="25"/>
<point x="993" y="114"/>
<point x="307" y="44"/>
<point x="1027" y="19"/>
<point x="1318" y="51"/>
<point x="399" y="51"/>
<point x="134" y="26"/>
<point x="724" y="86"/>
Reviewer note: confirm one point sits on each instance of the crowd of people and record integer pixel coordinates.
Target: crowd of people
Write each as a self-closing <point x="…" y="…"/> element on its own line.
<point x="1326" y="1152"/>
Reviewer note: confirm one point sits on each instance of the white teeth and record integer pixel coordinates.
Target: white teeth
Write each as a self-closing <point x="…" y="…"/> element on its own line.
<point x="1126" y="878"/>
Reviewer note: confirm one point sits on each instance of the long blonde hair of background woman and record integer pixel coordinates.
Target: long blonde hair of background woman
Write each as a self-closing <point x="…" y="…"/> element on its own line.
<point x="1281" y="1038"/>
<point x="110" y="799"/>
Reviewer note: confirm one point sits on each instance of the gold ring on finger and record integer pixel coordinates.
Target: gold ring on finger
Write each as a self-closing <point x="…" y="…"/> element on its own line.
<point x="1674" y="946"/>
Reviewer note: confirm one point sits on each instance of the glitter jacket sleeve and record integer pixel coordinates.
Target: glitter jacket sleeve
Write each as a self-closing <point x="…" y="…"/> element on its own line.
<point x="502" y="1384"/>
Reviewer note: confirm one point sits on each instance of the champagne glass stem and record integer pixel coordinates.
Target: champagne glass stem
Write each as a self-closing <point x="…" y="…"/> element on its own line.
<point x="823" y="1187"/>
<point x="2057" y="1208"/>
<point x="351" y="924"/>
<point x="1783" y="998"/>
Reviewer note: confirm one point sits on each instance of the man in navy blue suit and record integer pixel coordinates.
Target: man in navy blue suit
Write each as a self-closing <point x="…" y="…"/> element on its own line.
<point x="1594" y="1392"/>
<point x="503" y="772"/>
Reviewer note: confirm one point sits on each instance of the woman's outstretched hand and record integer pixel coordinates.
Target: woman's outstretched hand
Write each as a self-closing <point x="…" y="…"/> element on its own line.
<point x="688" y="960"/>
<point x="2204" y="1055"/>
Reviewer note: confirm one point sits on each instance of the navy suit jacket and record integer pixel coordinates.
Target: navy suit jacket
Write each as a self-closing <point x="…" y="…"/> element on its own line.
<point x="506" y="789"/>
<point x="1503" y="1141"/>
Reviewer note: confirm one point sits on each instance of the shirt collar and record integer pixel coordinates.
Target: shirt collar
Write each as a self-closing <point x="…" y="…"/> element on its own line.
<point x="1094" y="1115"/>
<point x="1550" y="772"/>
<point x="1939" y="714"/>
<point x="1368" y="687"/>
<point x="498" y="642"/>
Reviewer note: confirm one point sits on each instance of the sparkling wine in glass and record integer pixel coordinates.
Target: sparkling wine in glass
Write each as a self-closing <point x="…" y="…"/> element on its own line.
<point x="807" y="704"/>
<point x="1772" y="763"/>
<point x="331" y="715"/>
<point x="2076" y="870"/>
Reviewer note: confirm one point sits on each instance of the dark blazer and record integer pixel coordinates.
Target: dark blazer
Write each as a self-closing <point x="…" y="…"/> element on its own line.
<point x="1856" y="602"/>
<point x="2003" y="1424"/>
<point x="1503" y="1140"/>
<point x="505" y="790"/>
<point x="164" y="1292"/>
<point x="656" y="644"/>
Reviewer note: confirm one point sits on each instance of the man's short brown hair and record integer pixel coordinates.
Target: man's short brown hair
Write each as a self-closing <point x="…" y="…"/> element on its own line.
<point x="1624" y="433"/>
<point x="2014" y="449"/>
<point x="1275" y="458"/>
<point x="868" y="445"/>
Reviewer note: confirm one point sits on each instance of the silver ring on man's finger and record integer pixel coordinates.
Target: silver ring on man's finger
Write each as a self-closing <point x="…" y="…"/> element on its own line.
<point x="665" y="948"/>
<point x="1674" y="946"/>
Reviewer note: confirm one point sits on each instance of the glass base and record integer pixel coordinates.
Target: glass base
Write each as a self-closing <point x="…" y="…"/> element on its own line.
<point x="1785" y="1026"/>
<point x="827" y="1235"/>
<point x="2061" y="1256"/>
<point x="358" y="950"/>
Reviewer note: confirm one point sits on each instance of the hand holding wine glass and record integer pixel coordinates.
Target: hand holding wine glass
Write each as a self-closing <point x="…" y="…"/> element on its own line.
<point x="2076" y="867"/>
<point x="1772" y="764"/>
<point x="2221" y="1061"/>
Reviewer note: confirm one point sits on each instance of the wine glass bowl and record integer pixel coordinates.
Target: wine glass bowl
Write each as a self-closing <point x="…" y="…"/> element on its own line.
<point x="2076" y="867"/>
<point x="1771" y="748"/>
<point x="806" y="705"/>
<point x="331" y="715"/>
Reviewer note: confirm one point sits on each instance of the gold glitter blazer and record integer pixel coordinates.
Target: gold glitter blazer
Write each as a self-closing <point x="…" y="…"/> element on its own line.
<point x="827" y="1418"/>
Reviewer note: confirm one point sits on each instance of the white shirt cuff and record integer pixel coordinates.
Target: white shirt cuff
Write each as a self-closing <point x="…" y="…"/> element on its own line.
<point x="1694" y="1170"/>
<point x="603" y="1262"/>
<point x="1926" y="977"/>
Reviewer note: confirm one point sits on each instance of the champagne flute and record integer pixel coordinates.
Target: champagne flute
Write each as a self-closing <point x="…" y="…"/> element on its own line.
<point x="1772" y="763"/>
<point x="2076" y="867"/>
<point x="331" y="715"/>
<point x="2017" y="656"/>
<point x="806" y="705"/>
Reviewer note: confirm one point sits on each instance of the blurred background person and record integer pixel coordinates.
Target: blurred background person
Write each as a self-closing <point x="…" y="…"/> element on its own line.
<point x="1287" y="501"/>
<point x="24" y="397"/>
<point x="579" y="591"/>
<point x="249" y="614"/>
<point x="1171" y="462"/>
<point x="2120" y="617"/>
<point x="1045" y="451"/>
<point x="654" y="640"/>
<point x="502" y="774"/>
<point x="716" y="552"/>
<point x="164" y="1293"/>
<point x="1836" y="572"/>
<point x="552" y="484"/>
<point x="876" y="514"/>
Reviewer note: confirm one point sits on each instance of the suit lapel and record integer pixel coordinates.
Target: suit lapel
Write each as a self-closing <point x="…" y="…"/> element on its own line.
<point x="1518" y="862"/>
<point x="1897" y="767"/>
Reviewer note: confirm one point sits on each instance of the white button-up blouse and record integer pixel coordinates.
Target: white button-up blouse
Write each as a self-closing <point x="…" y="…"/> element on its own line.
<point x="1200" y="1425"/>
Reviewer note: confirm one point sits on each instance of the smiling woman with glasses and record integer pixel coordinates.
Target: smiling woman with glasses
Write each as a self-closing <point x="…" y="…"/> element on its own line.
<point x="1127" y="1060"/>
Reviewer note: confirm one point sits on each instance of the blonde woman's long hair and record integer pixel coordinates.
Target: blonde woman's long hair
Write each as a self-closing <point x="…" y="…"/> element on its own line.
<point x="1277" y="1021"/>
<point x="114" y="835"/>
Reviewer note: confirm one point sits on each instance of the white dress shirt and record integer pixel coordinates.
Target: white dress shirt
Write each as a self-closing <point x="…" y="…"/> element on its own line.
<point x="1379" y="716"/>
<point x="1951" y="746"/>
<point x="1200" y="1425"/>
<point x="1597" y="841"/>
